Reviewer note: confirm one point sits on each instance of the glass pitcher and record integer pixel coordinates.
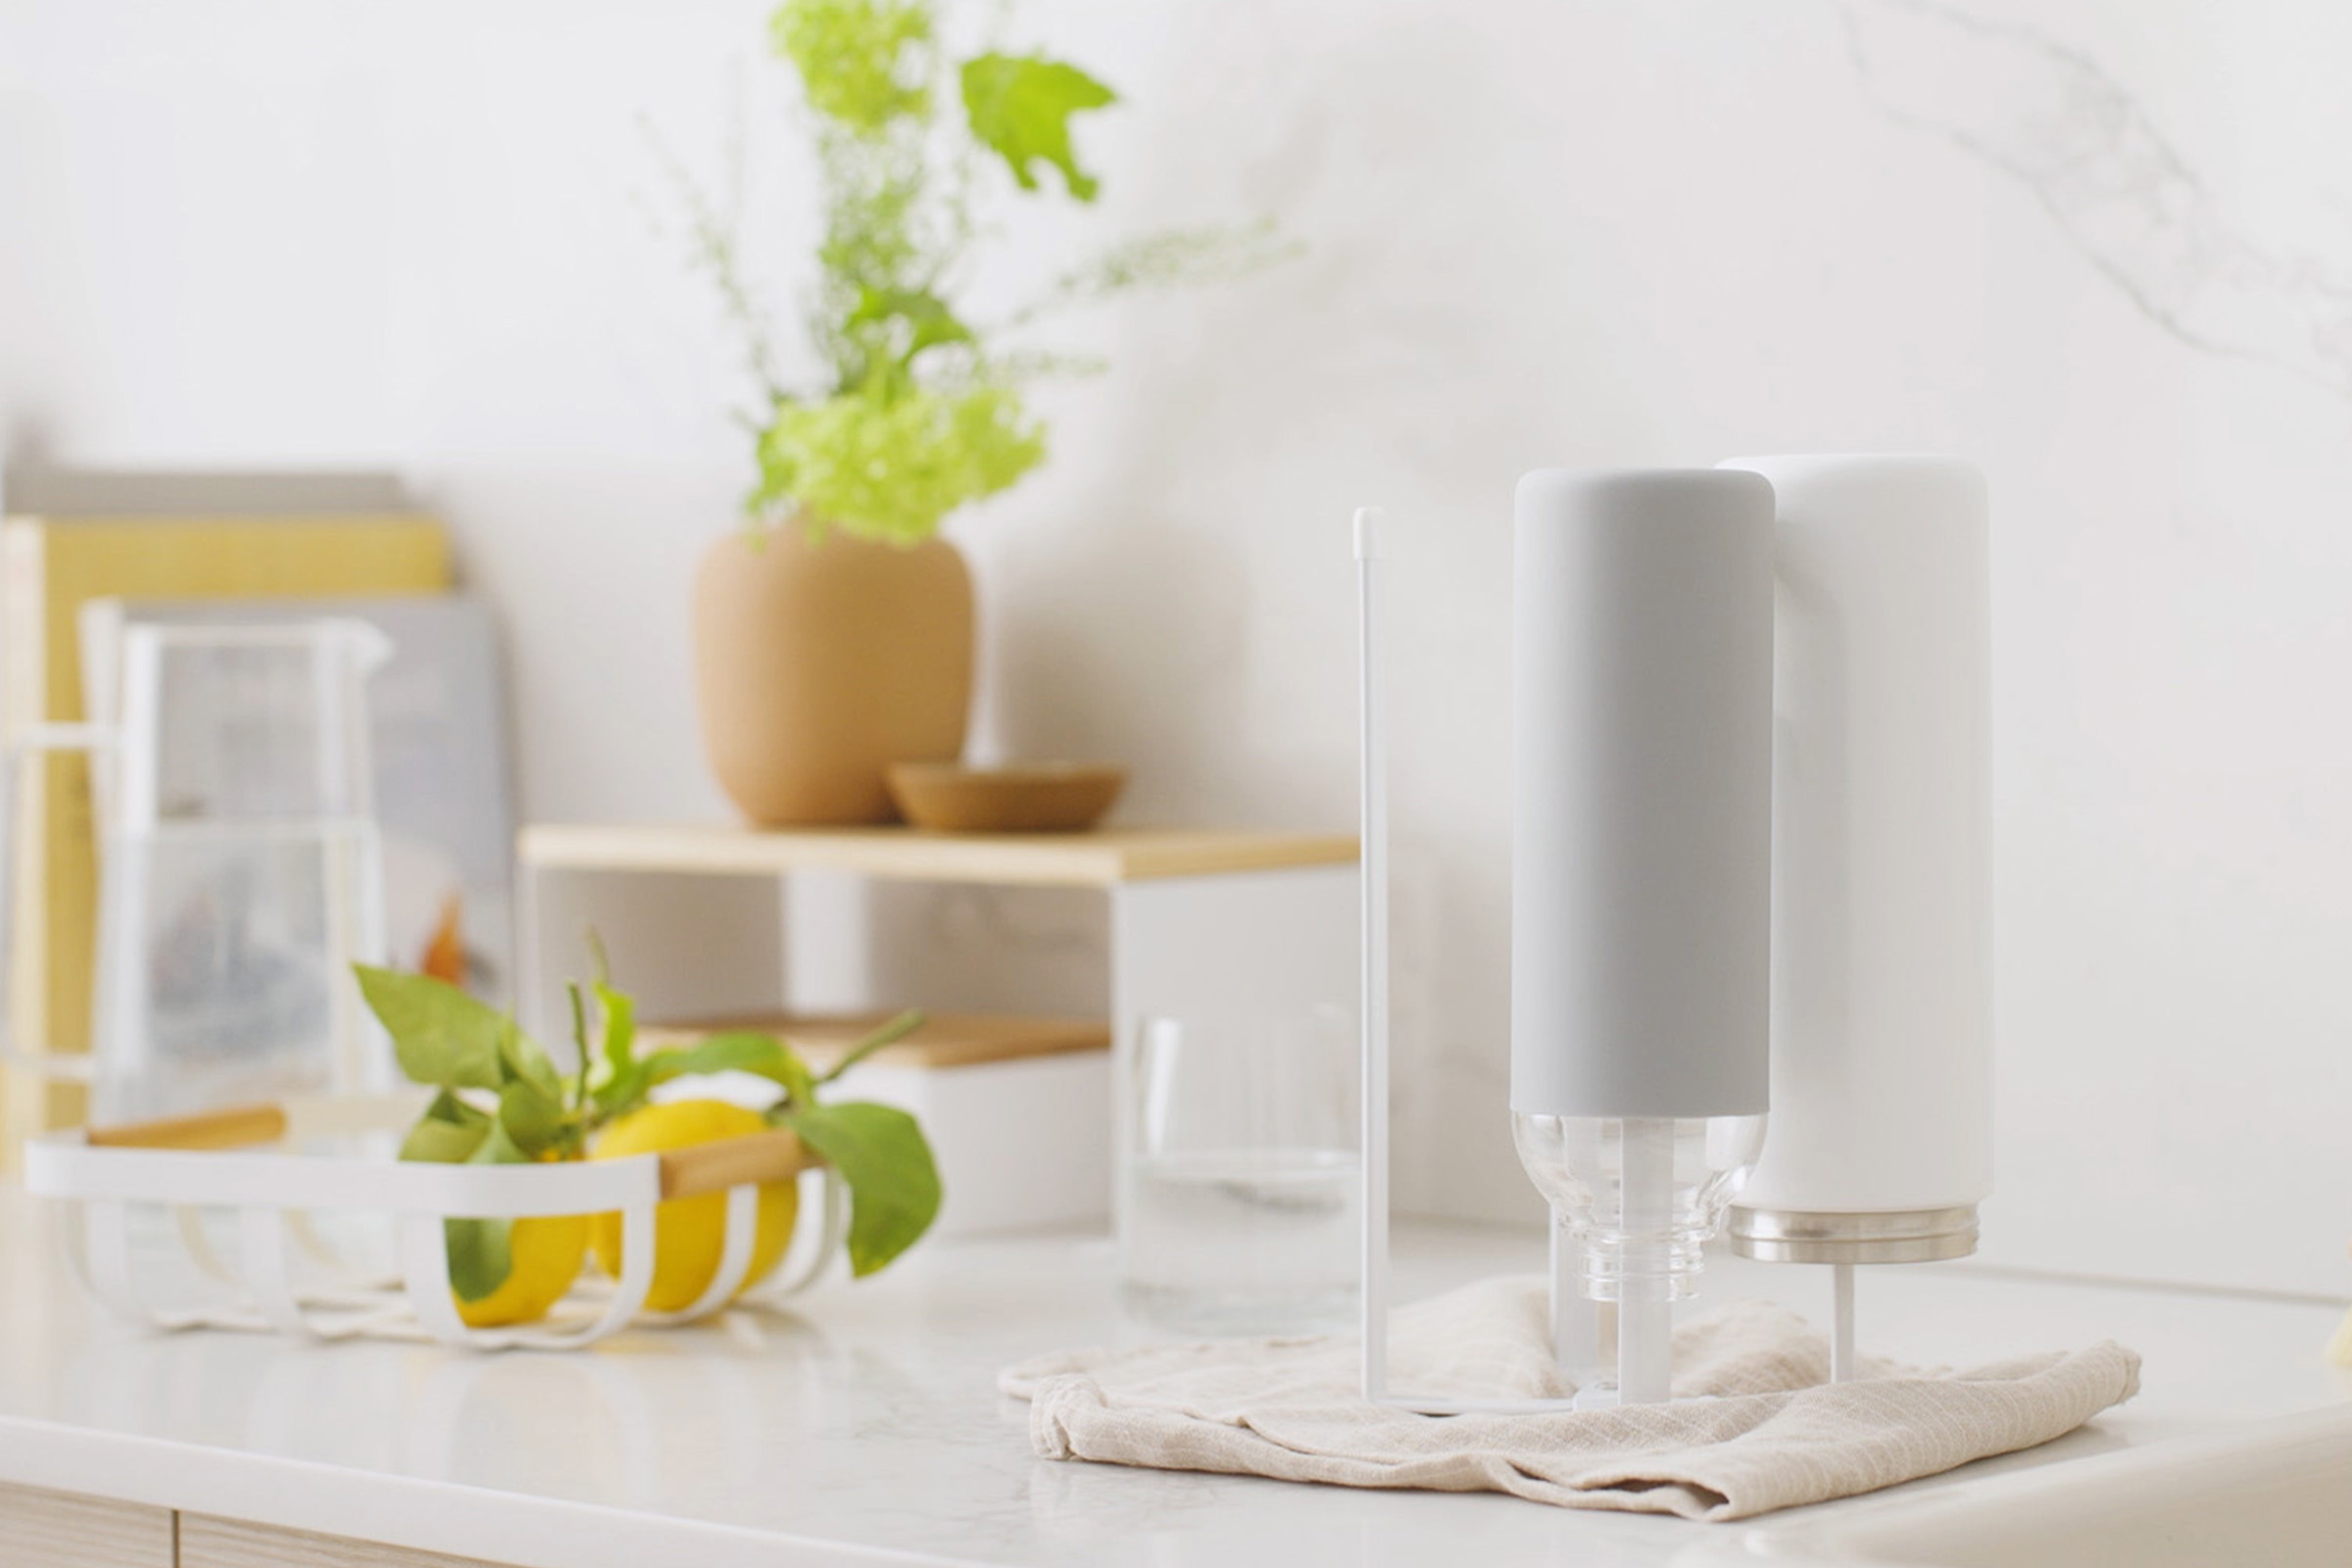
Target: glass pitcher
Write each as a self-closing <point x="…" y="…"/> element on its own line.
<point x="240" y="870"/>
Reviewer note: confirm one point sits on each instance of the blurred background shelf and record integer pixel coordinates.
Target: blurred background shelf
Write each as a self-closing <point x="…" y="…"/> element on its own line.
<point x="1040" y="957"/>
<point x="1096" y="860"/>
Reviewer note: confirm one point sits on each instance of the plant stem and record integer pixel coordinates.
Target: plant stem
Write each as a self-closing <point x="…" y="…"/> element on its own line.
<point x="899" y="1028"/>
<point x="579" y="1040"/>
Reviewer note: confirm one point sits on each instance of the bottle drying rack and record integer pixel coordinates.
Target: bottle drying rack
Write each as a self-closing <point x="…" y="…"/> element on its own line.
<point x="136" y="1200"/>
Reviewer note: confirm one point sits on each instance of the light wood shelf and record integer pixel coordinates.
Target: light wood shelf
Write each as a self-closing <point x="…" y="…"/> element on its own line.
<point x="1099" y="859"/>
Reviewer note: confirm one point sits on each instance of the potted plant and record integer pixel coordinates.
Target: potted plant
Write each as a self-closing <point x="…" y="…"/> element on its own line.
<point x="833" y="635"/>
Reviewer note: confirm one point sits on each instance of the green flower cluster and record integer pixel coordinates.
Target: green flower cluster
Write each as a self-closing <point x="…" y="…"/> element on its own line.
<point x="923" y="412"/>
<point x="890" y="469"/>
<point x="850" y="55"/>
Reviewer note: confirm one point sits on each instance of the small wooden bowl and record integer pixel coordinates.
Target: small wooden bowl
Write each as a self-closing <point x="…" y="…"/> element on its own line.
<point x="1025" y="797"/>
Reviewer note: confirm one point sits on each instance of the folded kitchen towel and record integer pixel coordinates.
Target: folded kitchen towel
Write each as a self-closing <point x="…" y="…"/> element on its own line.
<point x="1774" y="1433"/>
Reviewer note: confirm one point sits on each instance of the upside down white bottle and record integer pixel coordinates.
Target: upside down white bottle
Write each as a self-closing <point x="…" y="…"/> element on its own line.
<point x="1641" y="863"/>
<point x="1882" y="1062"/>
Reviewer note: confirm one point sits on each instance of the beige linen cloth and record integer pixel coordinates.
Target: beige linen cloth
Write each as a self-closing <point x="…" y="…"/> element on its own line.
<point x="1774" y="1434"/>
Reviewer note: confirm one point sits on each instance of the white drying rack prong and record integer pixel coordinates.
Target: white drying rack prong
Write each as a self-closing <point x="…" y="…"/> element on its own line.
<point x="1841" y="1320"/>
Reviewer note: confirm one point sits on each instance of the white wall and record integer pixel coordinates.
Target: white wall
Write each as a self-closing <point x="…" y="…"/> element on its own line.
<point x="2110" y="257"/>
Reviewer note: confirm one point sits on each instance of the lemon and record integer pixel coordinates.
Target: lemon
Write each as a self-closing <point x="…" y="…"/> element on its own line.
<point x="548" y="1250"/>
<point x="690" y="1233"/>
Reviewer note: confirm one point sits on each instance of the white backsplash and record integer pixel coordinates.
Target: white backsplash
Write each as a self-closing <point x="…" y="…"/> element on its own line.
<point x="2102" y="245"/>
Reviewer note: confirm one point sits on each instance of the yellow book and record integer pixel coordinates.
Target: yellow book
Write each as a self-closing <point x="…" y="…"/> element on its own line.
<point x="49" y="567"/>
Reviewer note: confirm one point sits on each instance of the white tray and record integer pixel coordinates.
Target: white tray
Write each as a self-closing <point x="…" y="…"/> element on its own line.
<point x="288" y="1271"/>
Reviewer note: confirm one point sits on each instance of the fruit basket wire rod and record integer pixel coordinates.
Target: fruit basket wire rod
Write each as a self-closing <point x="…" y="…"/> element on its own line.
<point x="253" y="1160"/>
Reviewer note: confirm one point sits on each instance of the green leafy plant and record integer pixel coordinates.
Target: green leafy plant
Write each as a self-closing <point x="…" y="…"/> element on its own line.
<point x="502" y="1100"/>
<point x="920" y="409"/>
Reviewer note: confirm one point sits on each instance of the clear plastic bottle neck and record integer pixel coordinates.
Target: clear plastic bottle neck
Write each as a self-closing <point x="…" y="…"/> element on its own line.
<point x="1639" y="1195"/>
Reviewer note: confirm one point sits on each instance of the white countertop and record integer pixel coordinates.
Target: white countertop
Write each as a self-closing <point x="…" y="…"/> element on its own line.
<point x="866" y="1427"/>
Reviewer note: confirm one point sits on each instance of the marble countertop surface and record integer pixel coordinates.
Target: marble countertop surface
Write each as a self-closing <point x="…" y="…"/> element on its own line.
<point x="865" y="1426"/>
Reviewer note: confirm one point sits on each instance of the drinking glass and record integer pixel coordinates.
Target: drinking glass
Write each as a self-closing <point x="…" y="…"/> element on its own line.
<point x="1243" y="1177"/>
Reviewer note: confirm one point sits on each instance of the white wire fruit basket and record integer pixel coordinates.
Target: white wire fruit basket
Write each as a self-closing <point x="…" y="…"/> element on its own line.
<point x="294" y="1216"/>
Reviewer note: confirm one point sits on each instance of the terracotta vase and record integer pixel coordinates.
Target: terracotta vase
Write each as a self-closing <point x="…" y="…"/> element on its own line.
<point x="819" y="663"/>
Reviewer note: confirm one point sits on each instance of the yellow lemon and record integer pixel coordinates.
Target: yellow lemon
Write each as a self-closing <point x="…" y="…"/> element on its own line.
<point x="548" y="1249"/>
<point x="690" y="1233"/>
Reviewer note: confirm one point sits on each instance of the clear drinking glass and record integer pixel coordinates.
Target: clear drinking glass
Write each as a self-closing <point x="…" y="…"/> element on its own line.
<point x="1244" y="1175"/>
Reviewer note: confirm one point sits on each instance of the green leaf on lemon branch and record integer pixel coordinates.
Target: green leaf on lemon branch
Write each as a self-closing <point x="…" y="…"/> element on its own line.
<point x="886" y="1163"/>
<point x="735" y="1050"/>
<point x="1019" y="106"/>
<point x="761" y="1055"/>
<point x="800" y="1089"/>
<point x="482" y="1255"/>
<point x="446" y="1038"/>
<point x="481" y="1251"/>
<point x="531" y="1118"/>
<point x="526" y="1063"/>
<point x="448" y="1133"/>
<point x="625" y="1078"/>
<point x="620" y="1025"/>
<point x="439" y="1032"/>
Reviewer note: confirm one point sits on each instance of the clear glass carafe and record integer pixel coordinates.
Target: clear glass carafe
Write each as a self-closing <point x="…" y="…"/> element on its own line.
<point x="240" y="870"/>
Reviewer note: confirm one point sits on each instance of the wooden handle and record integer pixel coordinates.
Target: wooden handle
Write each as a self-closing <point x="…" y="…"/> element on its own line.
<point x="770" y="1156"/>
<point x="232" y="1127"/>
